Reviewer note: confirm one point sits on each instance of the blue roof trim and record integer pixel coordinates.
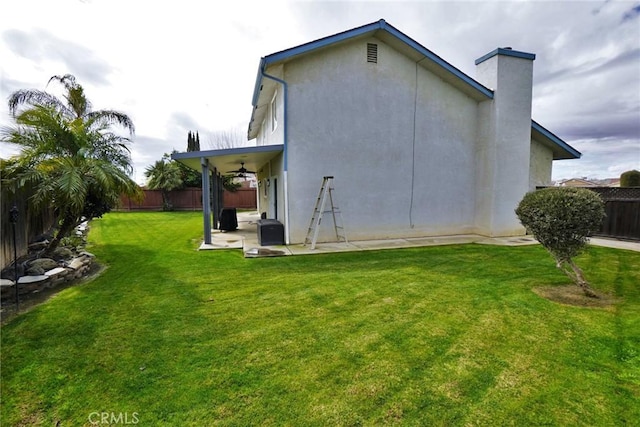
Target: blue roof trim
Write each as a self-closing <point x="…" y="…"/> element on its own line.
<point x="556" y="140"/>
<point x="325" y="41"/>
<point x="258" y="86"/>
<point x="441" y="62"/>
<point x="345" y="35"/>
<point x="506" y="52"/>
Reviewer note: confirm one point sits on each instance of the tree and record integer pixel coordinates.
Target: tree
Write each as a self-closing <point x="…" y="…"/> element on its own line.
<point x="193" y="142"/>
<point x="562" y="219"/>
<point x="190" y="177"/>
<point x="230" y="138"/>
<point x="68" y="153"/>
<point x="164" y="175"/>
<point x="630" y="179"/>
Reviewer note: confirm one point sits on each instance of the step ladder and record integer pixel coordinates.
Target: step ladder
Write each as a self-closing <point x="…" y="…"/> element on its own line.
<point x="314" y="227"/>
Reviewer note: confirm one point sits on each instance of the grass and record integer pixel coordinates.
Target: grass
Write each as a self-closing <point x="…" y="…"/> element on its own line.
<point x="450" y="335"/>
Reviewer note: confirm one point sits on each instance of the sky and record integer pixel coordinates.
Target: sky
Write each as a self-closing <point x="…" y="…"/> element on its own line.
<point x="189" y="65"/>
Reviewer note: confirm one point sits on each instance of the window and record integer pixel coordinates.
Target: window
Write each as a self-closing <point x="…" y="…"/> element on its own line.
<point x="372" y="53"/>
<point x="274" y="112"/>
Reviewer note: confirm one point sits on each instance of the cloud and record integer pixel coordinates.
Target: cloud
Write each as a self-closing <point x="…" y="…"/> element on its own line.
<point x="594" y="67"/>
<point x="40" y="45"/>
<point x="188" y="66"/>
<point x="8" y="85"/>
<point x="631" y="14"/>
<point x="601" y="159"/>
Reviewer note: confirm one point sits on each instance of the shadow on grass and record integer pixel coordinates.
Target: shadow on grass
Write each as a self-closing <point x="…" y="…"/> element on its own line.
<point x="32" y="299"/>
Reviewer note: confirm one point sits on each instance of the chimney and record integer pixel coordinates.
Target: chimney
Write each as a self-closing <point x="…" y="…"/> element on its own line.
<point x="504" y="145"/>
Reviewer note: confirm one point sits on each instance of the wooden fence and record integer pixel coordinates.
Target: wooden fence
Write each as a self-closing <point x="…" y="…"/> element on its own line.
<point x="188" y="199"/>
<point x="623" y="219"/>
<point x="32" y="223"/>
<point x="29" y="225"/>
<point x="622" y="206"/>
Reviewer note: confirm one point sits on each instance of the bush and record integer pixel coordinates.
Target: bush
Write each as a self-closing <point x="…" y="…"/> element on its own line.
<point x="562" y="219"/>
<point x="630" y="179"/>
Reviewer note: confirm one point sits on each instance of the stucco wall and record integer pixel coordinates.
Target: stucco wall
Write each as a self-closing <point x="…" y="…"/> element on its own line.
<point x="267" y="135"/>
<point x="273" y="172"/>
<point x="541" y="164"/>
<point x="355" y="120"/>
<point x="505" y="146"/>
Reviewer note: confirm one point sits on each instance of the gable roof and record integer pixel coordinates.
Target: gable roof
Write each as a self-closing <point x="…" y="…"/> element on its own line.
<point x="385" y="32"/>
<point x="405" y="44"/>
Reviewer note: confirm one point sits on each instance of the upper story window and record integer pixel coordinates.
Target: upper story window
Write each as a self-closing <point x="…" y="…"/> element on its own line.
<point x="274" y="112"/>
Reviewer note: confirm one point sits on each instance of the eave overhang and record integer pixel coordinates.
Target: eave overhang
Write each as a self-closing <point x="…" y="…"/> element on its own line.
<point x="561" y="150"/>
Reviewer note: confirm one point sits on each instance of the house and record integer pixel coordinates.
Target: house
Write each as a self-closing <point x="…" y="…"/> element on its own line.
<point x="576" y="182"/>
<point x="417" y="147"/>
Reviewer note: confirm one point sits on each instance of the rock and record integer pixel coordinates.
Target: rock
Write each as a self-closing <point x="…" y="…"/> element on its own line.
<point x="87" y="254"/>
<point x="56" y="282"/>
<point x="28" y="284"/>
<point x="24" y="280"/>
<point x="6" y="282"/>
<point x="77" y="263"/>
<point x="6" y="287"/>
<point x="34" y="271"/>
<point x="62" y="253"/>
<point x="43" y="263"/>
<point x="58" y="271"/>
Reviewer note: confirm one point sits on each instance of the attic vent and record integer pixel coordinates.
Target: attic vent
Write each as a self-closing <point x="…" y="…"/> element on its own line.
<point x="372" y="53"/>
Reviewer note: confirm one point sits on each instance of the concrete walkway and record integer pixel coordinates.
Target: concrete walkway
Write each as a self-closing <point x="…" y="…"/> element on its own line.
<point x="629" y="245"/>
<point x="246" y="238"/>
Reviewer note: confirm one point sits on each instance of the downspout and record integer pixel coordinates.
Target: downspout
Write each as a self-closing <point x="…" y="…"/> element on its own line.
<point x="284" y="154"/>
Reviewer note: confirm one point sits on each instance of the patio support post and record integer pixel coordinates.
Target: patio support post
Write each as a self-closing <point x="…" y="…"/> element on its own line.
<point x="220" y="194"/>
<point x="214" y="195"/>
<point x="206" y="200"/>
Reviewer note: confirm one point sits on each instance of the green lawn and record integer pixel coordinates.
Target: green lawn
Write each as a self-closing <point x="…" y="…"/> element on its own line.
<point x="449" y="335"/>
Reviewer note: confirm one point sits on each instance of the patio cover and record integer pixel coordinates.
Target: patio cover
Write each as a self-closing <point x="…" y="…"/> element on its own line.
<point x="220" y="162"/>
<point x="224" y="160"/>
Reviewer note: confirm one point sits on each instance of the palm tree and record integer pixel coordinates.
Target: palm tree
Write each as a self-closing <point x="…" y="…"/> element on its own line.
<point x="164" y="175"/>
<point x="68" y="154"/>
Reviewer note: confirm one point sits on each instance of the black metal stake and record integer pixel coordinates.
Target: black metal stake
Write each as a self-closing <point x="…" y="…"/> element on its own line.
<point x="14" y="219"/>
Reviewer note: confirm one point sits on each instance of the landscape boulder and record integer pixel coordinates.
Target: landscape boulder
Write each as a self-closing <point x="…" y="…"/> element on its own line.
<point x="44" y="264"/>
<point x="62" y="253"/>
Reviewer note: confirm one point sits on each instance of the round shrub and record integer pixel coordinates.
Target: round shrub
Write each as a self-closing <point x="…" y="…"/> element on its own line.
<point x="561" y="218"/>
<point x="630" y="179"/>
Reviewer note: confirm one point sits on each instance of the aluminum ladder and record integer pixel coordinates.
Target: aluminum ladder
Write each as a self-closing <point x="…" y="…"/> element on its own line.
<point x="314" y="227"/>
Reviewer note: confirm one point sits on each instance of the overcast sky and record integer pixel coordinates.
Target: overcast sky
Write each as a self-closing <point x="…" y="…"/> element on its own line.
<point x="175" y="66"/>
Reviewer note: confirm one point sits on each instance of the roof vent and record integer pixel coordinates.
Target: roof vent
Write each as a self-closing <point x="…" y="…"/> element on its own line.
<point x="372" y="53"/>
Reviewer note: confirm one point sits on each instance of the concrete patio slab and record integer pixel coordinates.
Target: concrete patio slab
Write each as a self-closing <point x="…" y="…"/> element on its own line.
<point x="508" y="241"/>
<point x="246" y="238"/>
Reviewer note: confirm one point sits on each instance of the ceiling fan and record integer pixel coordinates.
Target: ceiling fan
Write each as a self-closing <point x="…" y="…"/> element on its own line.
<point x="242" y="171"/>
